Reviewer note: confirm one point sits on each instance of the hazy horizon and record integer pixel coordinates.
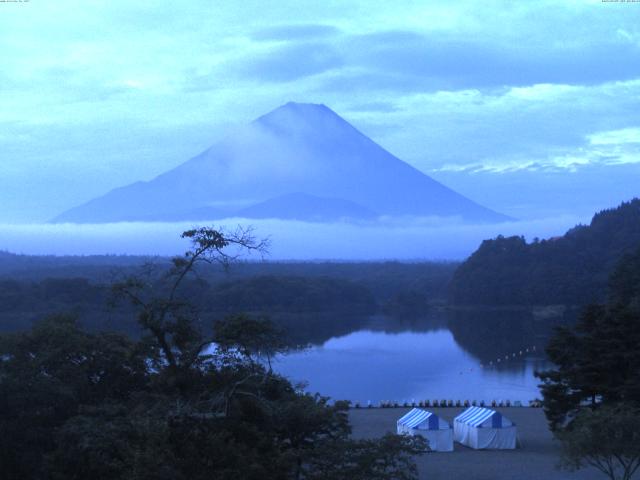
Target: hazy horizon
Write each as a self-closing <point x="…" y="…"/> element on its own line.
<point x="408" y="239"/>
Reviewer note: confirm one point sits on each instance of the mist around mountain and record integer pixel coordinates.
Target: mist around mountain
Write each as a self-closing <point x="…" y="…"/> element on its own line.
<point x="300" y="161"/>
<point x="300" y="206"/>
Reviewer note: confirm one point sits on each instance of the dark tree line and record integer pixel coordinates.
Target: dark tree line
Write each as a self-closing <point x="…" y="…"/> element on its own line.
<point x="178" y="403"/>
<point x="571" y="270"/>
<point x="592" y="396"/>
<point x="292" y="294"/>
<point x="300" y="298"/>
<point x="382" y="279"/>
<point x="262" y="293"/>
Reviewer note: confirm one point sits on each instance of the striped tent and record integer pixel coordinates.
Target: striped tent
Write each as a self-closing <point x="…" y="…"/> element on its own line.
<point x="437" y="431"/>
<point x="480" y="428"/>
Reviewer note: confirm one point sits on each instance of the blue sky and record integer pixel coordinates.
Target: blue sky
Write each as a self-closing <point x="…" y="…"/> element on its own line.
<point x="528" y="107"/>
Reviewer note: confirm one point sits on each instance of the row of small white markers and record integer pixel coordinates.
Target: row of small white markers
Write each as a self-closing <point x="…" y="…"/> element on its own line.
<point x="508" y="357"/>
<point x="505" y="359"/>
<point x="466" y="403"/>
<point x="449" y="404"/>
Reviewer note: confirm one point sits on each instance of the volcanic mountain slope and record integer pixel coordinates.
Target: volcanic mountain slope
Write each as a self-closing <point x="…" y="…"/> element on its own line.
<point x="301" y="206"/>
<point x="300" y="160"/>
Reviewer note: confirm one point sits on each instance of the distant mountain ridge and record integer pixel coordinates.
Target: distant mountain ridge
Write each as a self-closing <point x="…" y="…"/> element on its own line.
<point x="573" y="269"/>
<point x="299" y="157"/>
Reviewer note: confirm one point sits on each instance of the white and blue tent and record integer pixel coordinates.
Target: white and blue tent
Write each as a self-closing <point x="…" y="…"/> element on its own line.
<point x="437" y="431"/>
<point x="479" y="428"/>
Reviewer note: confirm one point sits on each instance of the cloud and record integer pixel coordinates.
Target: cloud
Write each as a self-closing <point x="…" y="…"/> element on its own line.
<point x="390" y="238"/>
<point x="415" y="61"/>
<point x="294" y="32"/>
<point x="616" y="137"/>
<point x="517" y="127"/>
<point x="373" y="106"/>
<point x="289" y="62"/>
<point x="542" y="191"/>
<point x="607" y="148"/>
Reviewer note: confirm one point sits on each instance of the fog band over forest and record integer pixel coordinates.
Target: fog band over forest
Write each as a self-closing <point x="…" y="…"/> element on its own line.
<point x="403" y="238"/>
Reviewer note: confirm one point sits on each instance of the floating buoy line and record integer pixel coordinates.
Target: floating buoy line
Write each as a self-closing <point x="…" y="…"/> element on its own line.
<point x="439" y="403"/>
<point x="535" y="403"/>
<point x="508" y="357"/>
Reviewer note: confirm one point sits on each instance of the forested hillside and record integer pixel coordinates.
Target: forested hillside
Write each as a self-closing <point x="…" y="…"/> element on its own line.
<point x="384" y="279"/>
<point x="572" y="269"/>
<point x="312" y="301"/>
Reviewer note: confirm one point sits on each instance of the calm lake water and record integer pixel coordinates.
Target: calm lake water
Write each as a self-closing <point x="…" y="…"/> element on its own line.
<point x="368" y="365"/>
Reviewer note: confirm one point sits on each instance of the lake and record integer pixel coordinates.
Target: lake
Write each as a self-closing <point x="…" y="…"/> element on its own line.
<point x="372" y="365"/>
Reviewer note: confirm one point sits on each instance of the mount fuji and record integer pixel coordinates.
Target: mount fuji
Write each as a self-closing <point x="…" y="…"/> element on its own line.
<point x="300" y="161"/>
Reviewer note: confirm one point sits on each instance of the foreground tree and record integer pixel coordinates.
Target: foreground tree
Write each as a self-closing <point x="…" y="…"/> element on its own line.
<point x="388" y="457"/>
<point x="47" y="376"/>
<point x="164" y="313"/>
<point x="597" y="380"/>
<point x="179" y="403"/>
<point x="607" y="438"/>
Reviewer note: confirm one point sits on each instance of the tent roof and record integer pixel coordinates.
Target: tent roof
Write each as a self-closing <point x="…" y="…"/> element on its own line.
<point x="414" y="417"/>
<point x="475" y="416"/>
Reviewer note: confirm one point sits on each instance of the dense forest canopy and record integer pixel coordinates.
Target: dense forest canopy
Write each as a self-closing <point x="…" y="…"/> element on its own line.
<point x="598" y="360"/>
<point x="383" y="279"/>
<point x="291" y="294"/>
<point x="178" y="403"/>
<point x="592" y="393"/>
<point x="312" y="301"/>
<point x="572" y="269"/>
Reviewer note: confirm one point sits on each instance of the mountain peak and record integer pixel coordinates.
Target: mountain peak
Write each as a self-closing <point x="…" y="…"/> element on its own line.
<point x="302" y="146"/>
<point x="300" y="109"/>
<point x="294" y="116"/>
<point x="305" y="107"/>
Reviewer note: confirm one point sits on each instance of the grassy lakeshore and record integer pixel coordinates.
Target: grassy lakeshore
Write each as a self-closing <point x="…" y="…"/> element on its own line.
<point x="537" y="459"/>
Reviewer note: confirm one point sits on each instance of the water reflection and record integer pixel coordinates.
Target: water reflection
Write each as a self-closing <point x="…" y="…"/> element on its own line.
<point x="445" y="356"/>
<point x="372" y="366"/>
<point x="491" y="334"/>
